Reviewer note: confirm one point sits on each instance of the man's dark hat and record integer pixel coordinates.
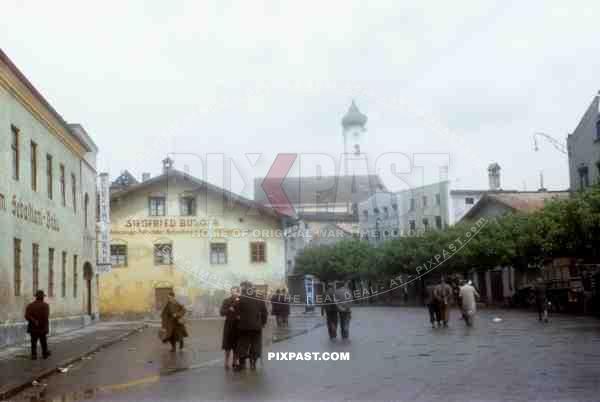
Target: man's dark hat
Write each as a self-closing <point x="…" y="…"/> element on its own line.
<point x="40" y="294"/>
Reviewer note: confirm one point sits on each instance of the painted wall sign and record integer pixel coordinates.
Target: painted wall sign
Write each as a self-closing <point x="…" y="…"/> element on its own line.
<point x="164" y="225"/>
<point x="27" y="212"/>
<point x="103" y="261"/>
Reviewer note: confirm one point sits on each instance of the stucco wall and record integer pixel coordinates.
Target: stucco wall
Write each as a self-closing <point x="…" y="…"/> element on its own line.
<point x="71" y="233"/>
<point x="584" y="148"/>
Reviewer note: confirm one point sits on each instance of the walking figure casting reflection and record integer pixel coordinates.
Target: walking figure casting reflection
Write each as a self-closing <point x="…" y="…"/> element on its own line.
<point x="253" y="318"/>
<point x="230" y="309"/>
<point x="336" y="305"/>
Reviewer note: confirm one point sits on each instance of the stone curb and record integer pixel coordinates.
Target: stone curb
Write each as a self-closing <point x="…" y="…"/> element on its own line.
<point x="13" y="390"/>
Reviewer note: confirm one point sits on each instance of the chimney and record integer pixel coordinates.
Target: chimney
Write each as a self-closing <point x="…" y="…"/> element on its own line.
<point x="494" y="176"/>
<point x="167" y="164"/>
<point x="145" y="176"/>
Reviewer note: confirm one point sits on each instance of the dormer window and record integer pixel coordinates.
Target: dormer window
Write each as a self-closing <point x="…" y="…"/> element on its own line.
<point x="386" y="212"/>
<point x="376" y="211"/>
<point x="395" y="207"/>
<point x="598" y="130"/>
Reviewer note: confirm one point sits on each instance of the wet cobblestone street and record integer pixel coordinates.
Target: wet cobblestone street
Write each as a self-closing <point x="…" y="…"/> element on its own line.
<point x="394" y="355"/>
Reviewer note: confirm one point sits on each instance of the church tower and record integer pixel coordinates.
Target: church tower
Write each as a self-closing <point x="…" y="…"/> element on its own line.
<point x="354" y="131"/>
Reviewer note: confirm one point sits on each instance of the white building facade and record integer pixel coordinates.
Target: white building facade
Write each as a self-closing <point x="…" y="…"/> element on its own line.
<point x="385" y="215"/>
<point x="47" y="210"/>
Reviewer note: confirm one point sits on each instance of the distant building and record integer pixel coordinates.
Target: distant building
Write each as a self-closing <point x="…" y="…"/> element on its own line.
<point x="461" y="201"/>
<point x="583" y="147"/>
<point x="412" y="212"/>
<point x="499" y="284"/>
<point x="498" y="204"/>
<point x="175" y="232"/>
<point x="47" y="210"/>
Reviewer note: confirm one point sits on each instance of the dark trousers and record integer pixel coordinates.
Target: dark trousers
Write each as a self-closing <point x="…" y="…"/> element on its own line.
<point x="173" y="341"/>
<point x="345" y="324"/>
<point x="434" y="312"/>
<point x="541" y="309"/>
<point x="43" y="342"/>
<point x="249" y="344"/>
<point x="332" y="323"/>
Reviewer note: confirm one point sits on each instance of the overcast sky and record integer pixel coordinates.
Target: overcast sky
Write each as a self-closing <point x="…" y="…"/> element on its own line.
<point x="141" y="75"/>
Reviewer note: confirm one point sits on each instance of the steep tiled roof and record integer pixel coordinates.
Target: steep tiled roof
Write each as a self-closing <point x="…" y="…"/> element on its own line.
<point x="526" y="202"/>
<point x="517" y="201"/>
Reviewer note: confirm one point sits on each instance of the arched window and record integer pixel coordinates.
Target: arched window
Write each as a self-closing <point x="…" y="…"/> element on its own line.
<point x="86" y="204"/>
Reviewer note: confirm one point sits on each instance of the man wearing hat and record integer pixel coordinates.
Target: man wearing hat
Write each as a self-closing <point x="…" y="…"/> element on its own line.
<point x="37" y="315"/>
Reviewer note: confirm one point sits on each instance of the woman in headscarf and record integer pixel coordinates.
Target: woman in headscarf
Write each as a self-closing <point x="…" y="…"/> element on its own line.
<point x="230" y="310"/>
<point x="173" y="322"/>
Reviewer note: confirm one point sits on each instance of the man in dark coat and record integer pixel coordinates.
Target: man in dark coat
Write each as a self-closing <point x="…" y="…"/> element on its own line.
<point x="343" y="297"/>
<point x="541" y="301"/>
<point x="432" y="305"/>
<point x="37" y="315"/>
<point x="330" y="310"/>
<point x="253" y="318"/>
<point x="276" y="307"/>
<point x="285" y="308"/>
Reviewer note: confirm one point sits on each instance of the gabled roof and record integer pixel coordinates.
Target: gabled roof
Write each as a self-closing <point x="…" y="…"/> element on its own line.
<point x="516" y="201"/>
<point x="174" y="174"/>
<point x="330" y="189"/>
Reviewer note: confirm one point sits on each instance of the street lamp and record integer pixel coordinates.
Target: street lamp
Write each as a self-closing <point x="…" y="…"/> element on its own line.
<point x="559" y="146"/>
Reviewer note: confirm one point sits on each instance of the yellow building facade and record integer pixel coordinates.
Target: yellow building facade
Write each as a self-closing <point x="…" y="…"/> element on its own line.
<point x="176" y="232"/>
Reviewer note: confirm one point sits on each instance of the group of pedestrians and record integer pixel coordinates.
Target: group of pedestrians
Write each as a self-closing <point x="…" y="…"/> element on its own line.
<point x="280" y="308"/>
<point x="245" y="315"/>
<point x="438" y="297"/>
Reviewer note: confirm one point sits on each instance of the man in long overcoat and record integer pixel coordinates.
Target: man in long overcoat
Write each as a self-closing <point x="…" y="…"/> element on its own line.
<point x="173" y="323"/>
<point x="37" y="315"/>
<point x="253" y="318"/>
